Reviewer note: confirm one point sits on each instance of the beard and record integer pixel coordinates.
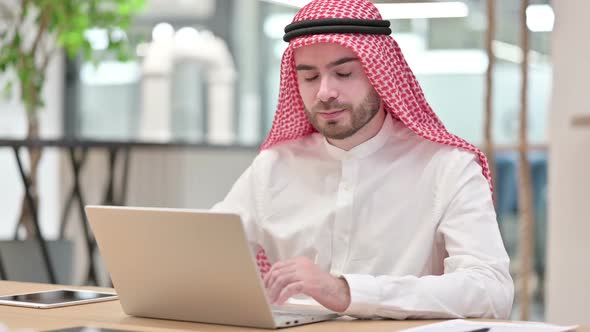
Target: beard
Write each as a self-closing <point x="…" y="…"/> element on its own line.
<point x="340" y="128"/>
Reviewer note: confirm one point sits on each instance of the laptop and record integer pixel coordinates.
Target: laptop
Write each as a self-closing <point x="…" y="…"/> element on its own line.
<point x="189" y="265"/>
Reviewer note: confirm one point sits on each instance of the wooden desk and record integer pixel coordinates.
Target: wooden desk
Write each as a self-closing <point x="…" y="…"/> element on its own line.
<point x="110" y="315"/>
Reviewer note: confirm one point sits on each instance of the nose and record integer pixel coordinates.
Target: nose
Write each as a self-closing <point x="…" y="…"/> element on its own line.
<point x="327" y="90"/>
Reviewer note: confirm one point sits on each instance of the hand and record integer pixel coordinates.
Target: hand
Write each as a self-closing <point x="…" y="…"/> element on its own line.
<point x="301" y="276"/>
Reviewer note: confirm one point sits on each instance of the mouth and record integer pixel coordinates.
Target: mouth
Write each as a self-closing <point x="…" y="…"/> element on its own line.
<point x="331" y="115"/>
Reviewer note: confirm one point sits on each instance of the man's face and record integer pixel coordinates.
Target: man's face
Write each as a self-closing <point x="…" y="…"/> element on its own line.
<point x="338" y="97"/>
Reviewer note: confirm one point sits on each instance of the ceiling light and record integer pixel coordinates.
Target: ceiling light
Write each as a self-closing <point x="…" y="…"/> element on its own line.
<point x="540" y="18"/>
<point x="392" y="11"/>
<point x="290" y="3"/>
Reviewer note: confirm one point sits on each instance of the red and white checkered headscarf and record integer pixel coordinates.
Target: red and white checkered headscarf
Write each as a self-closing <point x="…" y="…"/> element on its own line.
<point x="384" y="65"/>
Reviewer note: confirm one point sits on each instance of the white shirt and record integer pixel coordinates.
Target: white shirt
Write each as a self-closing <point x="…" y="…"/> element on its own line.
<point x="409" y="223"/>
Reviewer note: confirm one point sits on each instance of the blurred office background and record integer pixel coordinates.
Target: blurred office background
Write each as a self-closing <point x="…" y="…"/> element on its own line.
<point x="207" y="72"/>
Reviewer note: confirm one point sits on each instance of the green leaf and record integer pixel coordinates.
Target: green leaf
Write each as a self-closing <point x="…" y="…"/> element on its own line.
<point x="12" y="56"/>
<point x="5" y="62"/>
<point x="115" y="45"/>
<point x="7" y="90"/>
<point x="82" y="22"/>
<point x="25" y="10"/>
<point x="17" y="40"/>
<point x="136" y="5"/>
<point x="62" y="39"/>
<point x="68" y="20"/>
<point x="125" y="21"/>
<point x="124" y="9"/>
<point x="87" y="50"/>
<point x="123" y="56"/>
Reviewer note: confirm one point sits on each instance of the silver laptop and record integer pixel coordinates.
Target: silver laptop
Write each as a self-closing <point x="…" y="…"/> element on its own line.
<point x="189" y="265"/>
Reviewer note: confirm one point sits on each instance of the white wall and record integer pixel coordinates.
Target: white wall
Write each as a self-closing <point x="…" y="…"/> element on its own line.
<point x="568" y="269"/>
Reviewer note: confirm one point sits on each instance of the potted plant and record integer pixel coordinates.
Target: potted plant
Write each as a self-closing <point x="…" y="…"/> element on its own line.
<point x="31" y="32"/>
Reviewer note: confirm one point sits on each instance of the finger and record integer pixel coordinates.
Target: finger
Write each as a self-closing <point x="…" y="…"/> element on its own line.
<point x="270" y="276"/>
<point x="272" y="273"/>
<point x="285" y="278"/>
<point x="290" y="290"/>
<point x="275" y="270"/>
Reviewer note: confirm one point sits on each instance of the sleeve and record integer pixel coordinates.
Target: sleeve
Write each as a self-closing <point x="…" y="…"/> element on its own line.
<point x="476" y="281"/>
<point x="241" y="200"/>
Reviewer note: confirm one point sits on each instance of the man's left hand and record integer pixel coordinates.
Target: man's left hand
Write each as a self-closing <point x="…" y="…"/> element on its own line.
<point x="301" y="276"/>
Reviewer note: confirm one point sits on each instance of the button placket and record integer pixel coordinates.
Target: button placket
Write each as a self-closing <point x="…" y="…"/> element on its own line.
<point x="343" y="216"/>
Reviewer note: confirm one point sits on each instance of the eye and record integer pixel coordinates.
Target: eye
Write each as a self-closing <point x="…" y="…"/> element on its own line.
<point x="344" y="74"/>
<point x="309" y="79"/>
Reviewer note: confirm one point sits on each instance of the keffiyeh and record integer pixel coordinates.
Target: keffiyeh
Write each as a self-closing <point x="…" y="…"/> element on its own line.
<point x="385" y="67"/>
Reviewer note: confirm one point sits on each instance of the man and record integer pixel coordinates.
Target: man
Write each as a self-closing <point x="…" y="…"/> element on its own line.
<point x="359" y="195"/>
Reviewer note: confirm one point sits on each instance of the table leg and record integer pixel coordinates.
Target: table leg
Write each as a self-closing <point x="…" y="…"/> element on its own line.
<point x="125" y="180"/>
<point x="69" y="202"/>
<point x="29" y="198"/>
<point x="109" y="197"/>
<point x="2" y="272"/>
<point x="77" y="164"/>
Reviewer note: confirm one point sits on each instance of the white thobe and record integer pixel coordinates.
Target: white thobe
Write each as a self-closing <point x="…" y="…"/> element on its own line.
<point x="409" y="223"/>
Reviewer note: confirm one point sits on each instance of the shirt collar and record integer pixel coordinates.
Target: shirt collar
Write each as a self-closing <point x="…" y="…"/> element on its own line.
<point x="366" y="148"/>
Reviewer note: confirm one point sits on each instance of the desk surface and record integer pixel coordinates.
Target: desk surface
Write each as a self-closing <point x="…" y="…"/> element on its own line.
<point x="110" y="315"/>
